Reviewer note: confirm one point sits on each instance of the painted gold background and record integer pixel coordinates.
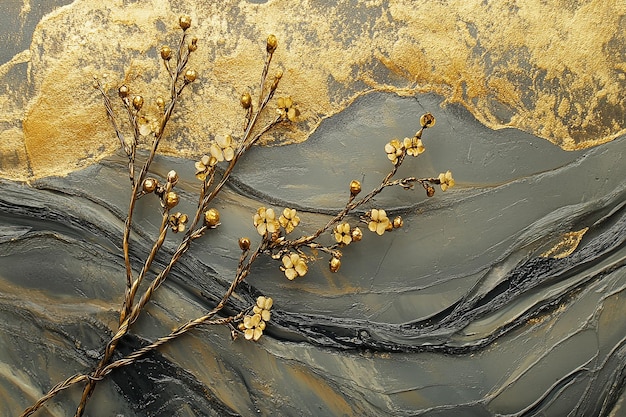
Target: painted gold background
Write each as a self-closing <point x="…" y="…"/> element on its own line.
<point x="556" y="70"/>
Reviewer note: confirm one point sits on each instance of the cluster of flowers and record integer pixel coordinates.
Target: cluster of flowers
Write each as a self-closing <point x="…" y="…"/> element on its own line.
<point x="253" y="326"/>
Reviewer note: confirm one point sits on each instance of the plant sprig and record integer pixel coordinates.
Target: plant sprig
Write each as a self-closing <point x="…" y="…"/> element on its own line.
<point x="273" y="229"/>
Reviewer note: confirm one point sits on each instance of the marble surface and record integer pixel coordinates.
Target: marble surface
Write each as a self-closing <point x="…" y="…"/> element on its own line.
<point x="502" y="296"/>
<point x="458" y="313"/>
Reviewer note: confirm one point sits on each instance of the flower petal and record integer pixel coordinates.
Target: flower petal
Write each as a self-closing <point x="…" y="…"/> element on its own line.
<point x="287" y="262"/>
<point x="301" y="268"/>
<point x="216" y="152"/>
<point x="255" y="320"/>
<point x="266" y="315"/>
<point x="229" y="153"/>
<point x="257" y="334"/>
<point x="290" y="274"/>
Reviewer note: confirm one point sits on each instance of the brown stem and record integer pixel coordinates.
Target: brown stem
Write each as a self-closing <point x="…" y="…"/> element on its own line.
<point x="305" y="240"/>
<point x="127" y="309"/>
<point x="132" y="291"/>
<point x="74" y="379"/>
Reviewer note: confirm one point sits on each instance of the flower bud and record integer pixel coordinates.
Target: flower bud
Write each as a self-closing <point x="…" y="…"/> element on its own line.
<point x="427" y="120"/>
<point x="211" y="217"/>
<point x="272" y="43"/>
<point x="334" y="264"/>
<point x="149" y="185"/>
<point x="123" y="91"/>
<point x="430" y="191"/>
<point x="356" y="234"/>
<point x="160" y="103"/>
<point x="355" y="188"/>
<point x="246" y="100"/>
<point x="172" y="177"/>
<point x="398" y="222"/>
<point x="166" y="52"/>
<point x="190" y="75"/>
<point x="137" y="102"/>
<point x="170" y="200"/>
<point x="277" y="77"/>
<point x="193" y="45"/>
<point x="244" y="243"/>
<point x="184" y="22"/>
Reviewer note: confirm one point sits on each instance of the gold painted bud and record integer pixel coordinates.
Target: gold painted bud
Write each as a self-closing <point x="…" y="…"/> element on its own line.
<point x="193" y="45"/>
<point x="334" y="264"/>
<point x="149" y="185"/>
<point x="190" y="75"/>
<point x="427" y="120"/>
<point x="430" y="191"/>
<point x="277" y="77"/>
<point x="246" y="100"/>
<point x="244" y="243"/>
<point x="137" y="102"/>
<point x="171" y="199"/>
<point x="272" y="43"/>
<point x="184" y="22"/>
<point x="166" y="52"/>
<point x="357" y="235"/>
<point x="123" y="91"/>
<point x="172" y="177"/>
<point x="355" y="188"/>
<point x="160" y="103"/>
<point x="211" y="217"/>
<point x="398" y="222"/>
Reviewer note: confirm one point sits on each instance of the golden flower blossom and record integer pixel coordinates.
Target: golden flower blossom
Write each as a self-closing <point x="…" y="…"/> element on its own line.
<point x="204" y="166"/>
<point x="379" y="222"/>
<point x="287" y="109"/>
<point x="289" y="219"/>
<point x="223" y="148"/>
<point x="253" y="326"/>
<point x="343" y="234"/>
<point x="263" y="306"/>
<point x="414" y="146"/>
<point x="294" y="266"/>
<point x="265" y="221"/>
<point x="177" y="222"/>
<point x="394" y="150"/>
<point x="446" y="181"/>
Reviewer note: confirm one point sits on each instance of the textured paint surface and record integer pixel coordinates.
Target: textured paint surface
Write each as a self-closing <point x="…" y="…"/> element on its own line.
<point x="501" y="296"/>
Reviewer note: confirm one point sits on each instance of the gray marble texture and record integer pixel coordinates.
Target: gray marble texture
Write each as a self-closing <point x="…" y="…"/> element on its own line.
<point x="455" y="314"/>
